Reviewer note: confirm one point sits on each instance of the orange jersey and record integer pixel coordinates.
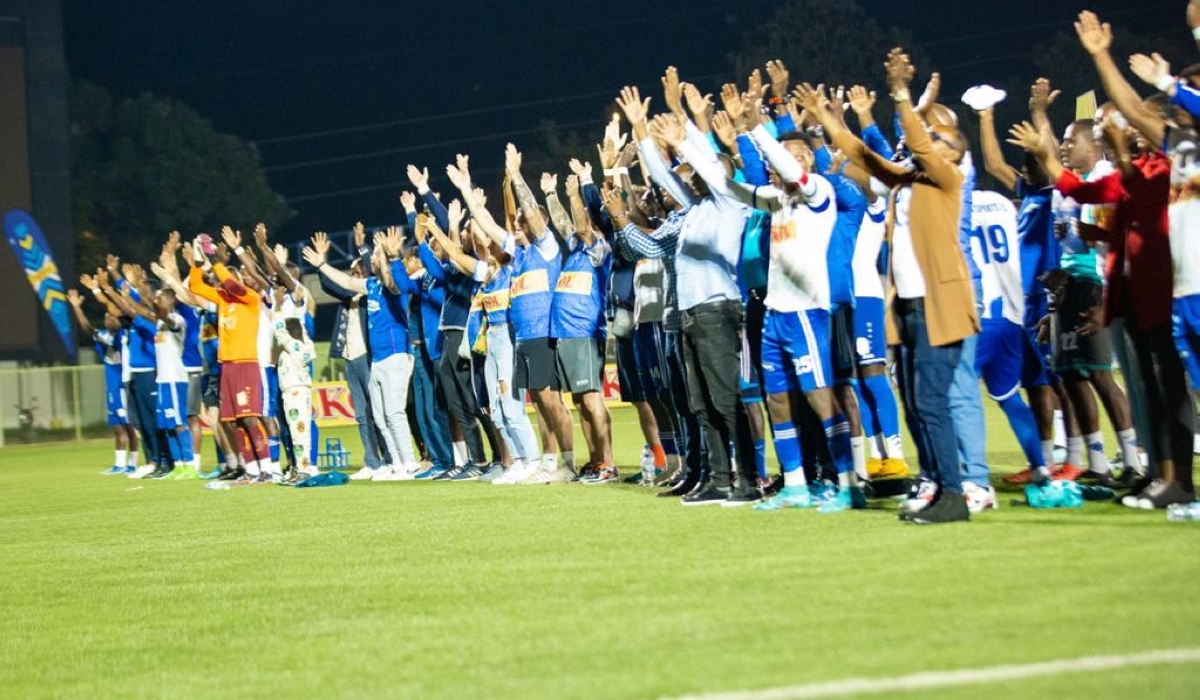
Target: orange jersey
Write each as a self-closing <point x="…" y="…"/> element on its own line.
<point x="237" y="314"/>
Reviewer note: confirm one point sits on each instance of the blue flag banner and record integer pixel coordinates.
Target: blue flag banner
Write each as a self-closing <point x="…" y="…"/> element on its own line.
<point x="29" y="245"/>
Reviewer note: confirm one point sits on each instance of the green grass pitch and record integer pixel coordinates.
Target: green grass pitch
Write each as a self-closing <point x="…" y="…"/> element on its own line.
<point x="113" y="588"/>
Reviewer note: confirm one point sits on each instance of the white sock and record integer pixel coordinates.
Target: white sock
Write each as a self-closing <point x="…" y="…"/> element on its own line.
<point x="253" y="468"/>
<point x="1097" y="460"/>
<point x="847" y="479"/>
<point x="858" y="448"/>
<point x="1075" y="451"/>
<point x="794" y="479"/>
<point x="1060" y="428"/>
<point x="120" y="460"/>
<point x="568" y="459"/>
<point x="550" y="462"/>
<point x="1129" y="448"/>
<point x="1047" y="452"/>
<point x="894" y="447"/>
<point x="460" y="454"/>
<point x="196" y="461"/>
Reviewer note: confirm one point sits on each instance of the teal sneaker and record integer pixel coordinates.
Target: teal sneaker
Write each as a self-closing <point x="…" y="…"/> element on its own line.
<point x="788" y="497"/>
<point x="822" y="490"/>
<point x="851" y="498"/>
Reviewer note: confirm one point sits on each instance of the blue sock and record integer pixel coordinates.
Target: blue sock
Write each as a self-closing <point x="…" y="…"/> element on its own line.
<point x="273" y="448"/>
<point x="316" y="435"/>
<point x="879" y="394"/>
<point x="869" y="425"/>
<point x="1024" y="426"/>
<point x="837" y="431"/>
<point x="760" y="457"/>
<point x="185" y="445"/>
<point x="787" y="446"/>
<point x="173" y="446"/>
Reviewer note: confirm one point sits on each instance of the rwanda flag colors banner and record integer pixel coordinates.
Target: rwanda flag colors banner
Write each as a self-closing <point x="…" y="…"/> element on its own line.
<point x="30" y="247"/>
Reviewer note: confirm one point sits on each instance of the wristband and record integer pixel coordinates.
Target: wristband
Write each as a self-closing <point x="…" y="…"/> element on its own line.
<point x="613" y="172"/>
<point x="775" y="101"/>
<point x="239" y="251"/>
<point x="1165" y="83"/>
<point x="901" y="95"/>
<point x="1196" y="33"/>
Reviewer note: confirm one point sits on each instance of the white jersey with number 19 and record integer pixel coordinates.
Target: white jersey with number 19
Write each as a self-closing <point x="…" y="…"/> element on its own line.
<point x="995" y="248"/>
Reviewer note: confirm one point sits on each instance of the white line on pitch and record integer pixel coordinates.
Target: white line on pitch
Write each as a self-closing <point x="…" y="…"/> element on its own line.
<point x="969" y="676"/>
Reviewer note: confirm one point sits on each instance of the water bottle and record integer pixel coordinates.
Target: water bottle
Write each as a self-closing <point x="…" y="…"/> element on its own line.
<point x="1183" y="512"/>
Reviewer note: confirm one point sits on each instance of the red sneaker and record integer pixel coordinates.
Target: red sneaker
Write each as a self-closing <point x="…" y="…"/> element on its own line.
<point x="1066" y="472"/>
<point x="1020" y="478"/>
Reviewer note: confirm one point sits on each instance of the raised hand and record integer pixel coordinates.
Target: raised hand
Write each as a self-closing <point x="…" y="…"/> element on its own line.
<point x="408" y="200"/>
<point x="419" y="178"/>
<point x="549" y="183"/>
<point x="837" y="104"/>
<point x="673" y="91"/>
<point x="572" y="184"/>
<point x="160" y="272"/>
<point x="779" y="77"/>
<point x="723" y="127"/>
<point x="614" y="203"/>
<point x="189" y="255"/>
<point x="812" y="100"/>
<point x="132" y="272"/>
<point x="172" y="244"/>
<point x="1152" y="69"/>
<point x="456" y="214"/>
<point x="422" y="226"/>
<point x="260" y="236"/>
<point x="480" y="196"/>
<point x="628" y="157"/>
<point x="1094" y="36"/>
<point x="280" y="253"/>
<point x="223" y="253"/>
<point x="392" y="242"/>
<point x="457" y="178"/>
<point x="312" y="257"/>
<point x="581" y="171"/>
<point x="74" y="298"/>
<point x="899" y="70"/>
<point x="669" y="130"/>
<point x="633" y="106"/>
<point x="1029" y="138"/>
<point x="1041" y="96"/>
<point x="360" y="235"/>
<point x="612" y="132"/>
<point x="113" y="265"/>
<point x="861" y="101"/>
<point x="89" y="281"/>
<point x="731" y="98"/>
<point x="512" y="159"/>
<point x="756" y="86"/>
<point x="320" y="243"/>
<point x="697" y="102"/>
<point x="232" y="238"/>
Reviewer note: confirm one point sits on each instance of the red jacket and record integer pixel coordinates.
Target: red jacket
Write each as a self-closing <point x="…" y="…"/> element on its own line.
<point x="1138" y="269"/>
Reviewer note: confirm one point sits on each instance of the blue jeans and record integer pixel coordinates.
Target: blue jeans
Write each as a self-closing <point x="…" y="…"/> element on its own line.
<point x="434" y="431"/>
<point x="358" y="375"/>
<point x="966" y="407"/>
<point x="925" y="374"/>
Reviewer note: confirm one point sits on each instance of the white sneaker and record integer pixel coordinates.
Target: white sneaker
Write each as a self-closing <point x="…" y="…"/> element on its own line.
<point x="926" y="491"/>
<point x="363" y="474"/>
<point x="142" y="472"/>
<point x="541" y="476"/>
<point x="386" y="473"/>
<point x="408" y="472"/>
<point x="978" y="498"/>
<point x="515" y="475"/>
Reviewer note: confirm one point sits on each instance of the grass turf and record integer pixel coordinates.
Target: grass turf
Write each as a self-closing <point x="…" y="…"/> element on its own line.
<point x="118" y="588"/>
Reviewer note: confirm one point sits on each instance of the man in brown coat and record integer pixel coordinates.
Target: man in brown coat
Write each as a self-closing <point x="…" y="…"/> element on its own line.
<point x="932" y="301"/>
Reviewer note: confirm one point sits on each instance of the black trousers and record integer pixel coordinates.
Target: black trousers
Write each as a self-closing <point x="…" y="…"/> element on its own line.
<point x="1168" y="402"/>
<point x="454" y="376"/>
<point x="712" y="344"/>
<point x="691" y="438"/>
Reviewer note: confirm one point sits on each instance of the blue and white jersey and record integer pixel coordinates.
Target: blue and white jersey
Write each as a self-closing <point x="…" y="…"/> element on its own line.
<point x="995" y="248"/>
<point x="801" y="229"/>
<point x="495" y="296"/>
<point x="110" y="348"/>
<point x="867" y="282"/>
<point x="531" y="293"/>
<point x="387" y="321"/>
<point x="192" y="359"/>
<point x="578" y="308"/>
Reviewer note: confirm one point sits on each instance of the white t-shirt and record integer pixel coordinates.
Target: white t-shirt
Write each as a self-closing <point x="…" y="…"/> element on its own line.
<point x="906" y="271"/>
<point x="866" y="251"/>
<point x="266" y="339"/>
<point x="1185" y="246"/>
<point x="996" y="250"/>
<point x="168" y="351"/>
<point x="356" y="345"/>
<point x="798" y="277"/>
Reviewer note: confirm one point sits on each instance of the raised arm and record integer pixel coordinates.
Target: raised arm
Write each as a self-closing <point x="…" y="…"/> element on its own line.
<point x="420" y="180"/>
<point x="454" y="251"/>
<point x="76" y="302"/>
<point x="525" y="199"/>
<point x="939" y="170"/>
<point x="272" y="260"/>
<point x="558" y="215"/>
<point x="315" y="255"/>
<point x="993" y="157"/>
<point x="816" y="103"/>
<point x="1096" y="38"/>
<point x="635" y="109"/>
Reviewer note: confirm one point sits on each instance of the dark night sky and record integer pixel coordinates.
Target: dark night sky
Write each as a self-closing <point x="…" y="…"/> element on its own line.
<point x="266" y="70"/>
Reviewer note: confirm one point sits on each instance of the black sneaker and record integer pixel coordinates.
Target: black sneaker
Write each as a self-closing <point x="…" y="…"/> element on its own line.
<point x="742" y="496"/>
<point x="1092" y="476"/>
<point x="948" y="508"/>
<point x="233" y="474"/>
<point x="707" y="496"/>
<point x="161" y="473"/>
<point x="678" y="489"/>
<point x="451" y="474"/>
<point x="1165" y="495"/>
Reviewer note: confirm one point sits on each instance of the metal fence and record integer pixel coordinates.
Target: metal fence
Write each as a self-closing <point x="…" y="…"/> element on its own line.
<point x="48" y="404"/>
